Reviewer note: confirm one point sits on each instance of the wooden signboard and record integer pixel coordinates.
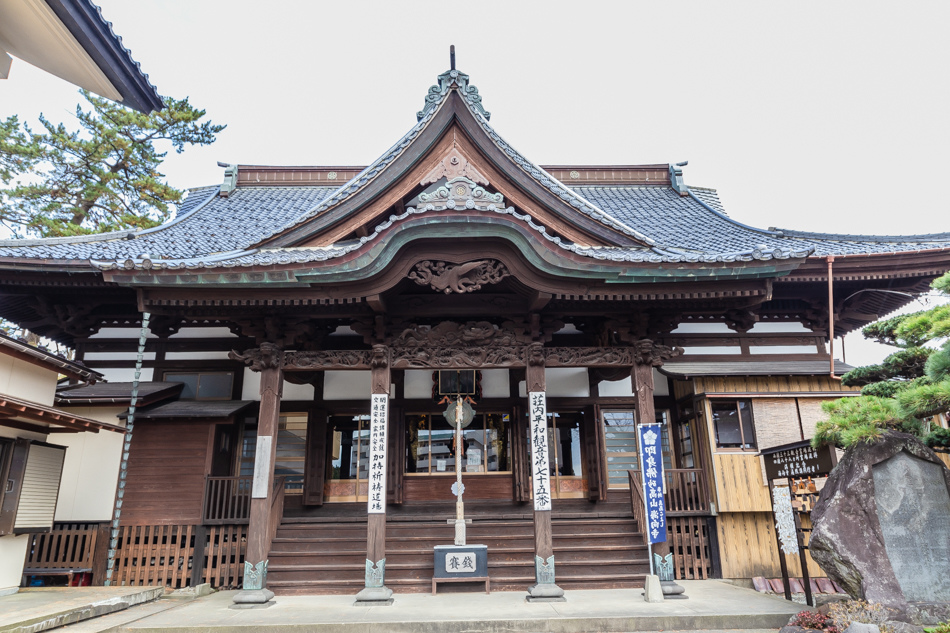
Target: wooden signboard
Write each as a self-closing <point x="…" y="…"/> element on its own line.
<point x="798" y="460"/>
<point x="794" y="461"/>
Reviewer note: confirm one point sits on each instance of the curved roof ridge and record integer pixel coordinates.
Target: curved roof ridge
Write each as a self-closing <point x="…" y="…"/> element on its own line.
<point x="919" y="237"/>
<point x="124" y="234"/>
<point x="365" y="177"/>
<point x="199" y="205"/>
<point x="435" y="99"/>
<point x="725" y="217"/>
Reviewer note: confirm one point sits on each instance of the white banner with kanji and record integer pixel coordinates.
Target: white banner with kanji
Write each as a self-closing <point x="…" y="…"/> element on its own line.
<point x="540" y="470"/>
<point x="376" y="500"/>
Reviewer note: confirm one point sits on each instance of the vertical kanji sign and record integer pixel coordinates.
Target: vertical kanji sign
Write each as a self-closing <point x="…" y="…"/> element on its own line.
<point x="651" y="461"/>
<point x="376" y="500"/>
<point x="540" y="474"/>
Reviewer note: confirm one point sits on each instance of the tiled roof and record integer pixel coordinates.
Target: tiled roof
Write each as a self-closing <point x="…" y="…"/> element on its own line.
<point x="117" y="393"/>
<point x="214" y="231"/>
<point x="217" y="409"/>
<point x="206" y="224"/>
<point x="689" y="368"/>
<point x="697" y="222"/>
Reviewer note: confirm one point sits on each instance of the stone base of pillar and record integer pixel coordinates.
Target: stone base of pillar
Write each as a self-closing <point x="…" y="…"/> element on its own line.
<point x="253" y="599"/>
<point x="673" y="591"/>
<point x="547" y="592"/>
<point x="374" y="597"/>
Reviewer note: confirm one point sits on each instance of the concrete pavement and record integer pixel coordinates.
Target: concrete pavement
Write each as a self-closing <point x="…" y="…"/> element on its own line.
<point x="712" y="604"/>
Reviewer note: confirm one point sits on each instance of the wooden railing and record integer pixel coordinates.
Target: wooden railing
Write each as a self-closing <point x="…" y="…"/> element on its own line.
<point x="637" y="503"/>
<point x="686" y="492"/>
<point x="276" y="509"/>
<point x="227" y="500"/>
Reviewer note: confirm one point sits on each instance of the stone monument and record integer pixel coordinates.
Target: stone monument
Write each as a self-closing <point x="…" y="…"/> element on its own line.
<point x="882" y="527"/>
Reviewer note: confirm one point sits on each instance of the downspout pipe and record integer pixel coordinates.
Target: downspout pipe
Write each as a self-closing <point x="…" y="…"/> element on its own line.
<point x="831" y="317"/>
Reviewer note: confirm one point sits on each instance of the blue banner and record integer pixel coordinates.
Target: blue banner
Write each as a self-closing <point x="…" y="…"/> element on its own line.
<point x="651" y="462"/>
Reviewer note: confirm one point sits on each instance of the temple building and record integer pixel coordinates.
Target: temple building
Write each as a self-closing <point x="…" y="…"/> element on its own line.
<point x="289" y="342"/>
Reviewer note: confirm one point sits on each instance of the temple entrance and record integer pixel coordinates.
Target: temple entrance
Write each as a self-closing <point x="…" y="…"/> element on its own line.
<point x="565" y="456"/>
<point x="348" y="457"/>
<point x="431" y="456"/>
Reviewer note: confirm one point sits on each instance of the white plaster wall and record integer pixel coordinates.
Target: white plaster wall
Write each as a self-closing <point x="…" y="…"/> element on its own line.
<point x="616" y="388"/>
<point x="570" y="382"/>
<point x="661" y="384"/>
<point x="347" y="385"/>
<point x="417" y="384"/>
<point x="783" y="349"/>
<point x="121" y="332"/>
<point x="126" y="374"/>
<point x="623" y="388"/>
<point x="297" y="392"/>
<point x="91" y="469"/>
<point x="204" y="332"/>
<point x="27" y="381"/>
<point x="12" y="556"/>
<point x="196" y="355"/>
<point x="495" y="383"/>
<point x="778" y="326"/>
<point x="251" y="387"/>
<point x="15" y="433"/>
<point x="702" y="328"/>
<point x="715" y="349"/>
<point x="133" y="355"/>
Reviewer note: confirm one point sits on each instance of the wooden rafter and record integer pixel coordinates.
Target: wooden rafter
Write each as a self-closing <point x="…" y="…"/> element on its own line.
<point x="16" y="408"/>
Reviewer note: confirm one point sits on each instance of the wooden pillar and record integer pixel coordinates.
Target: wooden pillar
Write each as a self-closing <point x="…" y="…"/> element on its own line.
<point x="544" y="588"/>
<point x="375" y="591"/>
<point x="642" y="375"/>
<point x="648" y="355"/>
<point x="267" y="359"/>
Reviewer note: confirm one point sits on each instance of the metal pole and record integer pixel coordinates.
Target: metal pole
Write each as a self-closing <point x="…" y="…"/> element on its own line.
<point x="646" y="501"/>
<point x="831" y="317"/>
<point x="459" y="504"/>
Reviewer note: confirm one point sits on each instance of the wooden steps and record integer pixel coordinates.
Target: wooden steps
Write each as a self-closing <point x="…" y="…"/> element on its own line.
<point x="596" y="546"/>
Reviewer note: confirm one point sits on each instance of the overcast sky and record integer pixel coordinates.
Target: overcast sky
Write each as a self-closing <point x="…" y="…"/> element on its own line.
<point x="811" y="115"/>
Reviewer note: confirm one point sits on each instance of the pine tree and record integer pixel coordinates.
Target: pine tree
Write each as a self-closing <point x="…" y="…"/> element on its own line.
<point x="906" y="390"/>
<point x="100" y="177"/>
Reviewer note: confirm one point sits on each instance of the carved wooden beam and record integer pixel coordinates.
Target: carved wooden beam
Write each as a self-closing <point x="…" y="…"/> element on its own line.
<point x="650" y="354"/>
<point x="267" y="356"/>
<point x="439" y="357"/>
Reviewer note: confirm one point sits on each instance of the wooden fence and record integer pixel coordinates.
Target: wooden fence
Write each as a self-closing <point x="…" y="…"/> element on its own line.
<point x="687" y="512"/>
<point x="165" y="555"/>
<point x="227" y="500"/>
<point x="68" y="548"/>
<point x="689" y="541"/>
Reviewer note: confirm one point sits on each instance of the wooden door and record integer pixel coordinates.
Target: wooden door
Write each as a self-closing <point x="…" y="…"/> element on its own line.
<point x="316" y="461"/>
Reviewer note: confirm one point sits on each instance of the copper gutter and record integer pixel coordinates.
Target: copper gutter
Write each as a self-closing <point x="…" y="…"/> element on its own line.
<point x="831" y="317"/>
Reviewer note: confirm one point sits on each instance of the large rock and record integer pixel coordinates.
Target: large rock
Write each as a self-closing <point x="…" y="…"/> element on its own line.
<point x="881" y="526"/>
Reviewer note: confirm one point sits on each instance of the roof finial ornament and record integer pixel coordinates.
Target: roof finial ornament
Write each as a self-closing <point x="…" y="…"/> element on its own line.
<point x="676" y="178"/>
<point x="452" y="56"/>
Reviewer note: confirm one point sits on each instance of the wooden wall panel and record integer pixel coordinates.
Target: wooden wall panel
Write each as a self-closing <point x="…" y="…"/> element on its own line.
<point x="945" y="458"/>
<point x="428" y="488"/>
<point x="739" y="485"/>
<point x="166" y="473"/>
<point x="747" y="548"/>
<point x="769" y="384"/>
